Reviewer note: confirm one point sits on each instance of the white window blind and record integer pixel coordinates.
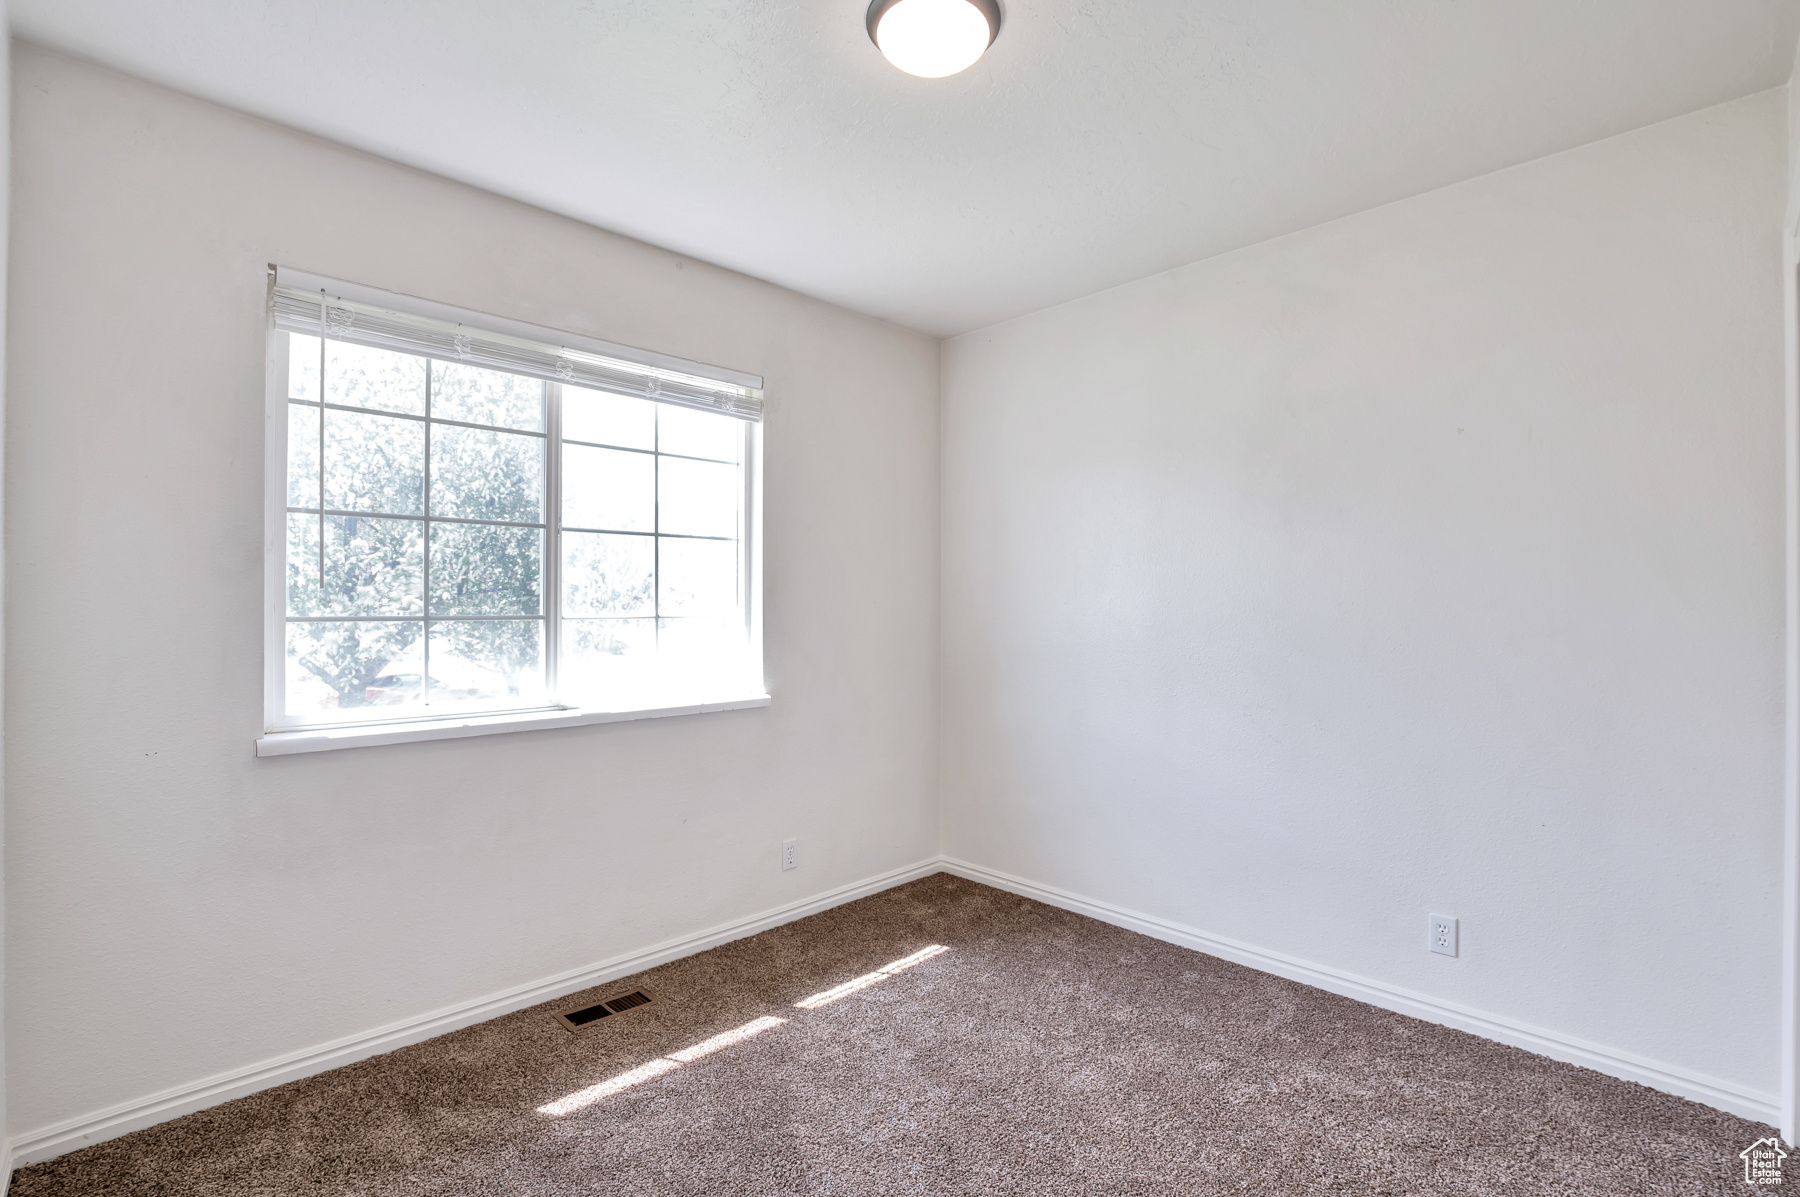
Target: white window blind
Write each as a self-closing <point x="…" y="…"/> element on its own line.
<point x="317" y="306"/>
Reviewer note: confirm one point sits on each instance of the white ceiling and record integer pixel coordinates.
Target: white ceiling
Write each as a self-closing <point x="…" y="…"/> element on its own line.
<point x="1097" y="142"/>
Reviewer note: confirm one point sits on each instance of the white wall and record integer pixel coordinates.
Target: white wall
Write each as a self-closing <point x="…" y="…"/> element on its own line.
<point x="177" y="907"/>
<point x="1793" y="141"/>
<point x="1426" y="561"/>
<point x="5" y="201"/>
<point x="1790" y="949"/>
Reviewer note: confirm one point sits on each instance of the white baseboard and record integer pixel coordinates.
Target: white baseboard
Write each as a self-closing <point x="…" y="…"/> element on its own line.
<point x="54" y="1140"/>
<point x="48" y="1142"/>
<point x="1711" y="1091"/>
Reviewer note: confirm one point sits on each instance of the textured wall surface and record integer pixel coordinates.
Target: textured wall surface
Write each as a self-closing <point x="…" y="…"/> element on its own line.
<point x="5" y="224"/>
<point x="242" y="908"/>
<point x="1426" y="561"/>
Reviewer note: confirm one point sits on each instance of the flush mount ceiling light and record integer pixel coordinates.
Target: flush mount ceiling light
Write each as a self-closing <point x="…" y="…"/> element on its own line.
<point x="933" y="38"/>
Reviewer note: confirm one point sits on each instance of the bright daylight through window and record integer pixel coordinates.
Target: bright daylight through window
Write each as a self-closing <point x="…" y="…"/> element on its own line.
<point x="475" y="523"/>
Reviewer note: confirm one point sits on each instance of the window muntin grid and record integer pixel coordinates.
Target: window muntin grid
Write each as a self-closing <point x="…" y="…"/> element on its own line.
<point x="614" y="634"/>
<point x="676" y="628"/>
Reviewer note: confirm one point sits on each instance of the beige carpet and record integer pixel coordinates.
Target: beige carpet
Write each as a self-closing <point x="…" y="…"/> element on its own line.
<point x="1038" y="1053"/>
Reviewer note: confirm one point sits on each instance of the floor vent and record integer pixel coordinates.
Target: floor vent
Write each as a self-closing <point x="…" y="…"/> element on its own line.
<point x="588" y="1015"/>
<point x="621" y="1004"/>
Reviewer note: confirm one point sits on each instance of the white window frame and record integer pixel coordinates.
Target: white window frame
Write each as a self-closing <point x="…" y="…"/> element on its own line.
<point x="284" y="734"/>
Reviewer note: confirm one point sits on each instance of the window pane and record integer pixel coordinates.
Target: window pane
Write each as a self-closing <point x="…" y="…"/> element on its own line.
<point x="697" y="498"/>
<point x="608" y="575"/>
<point x="374" y="463"/>
<point x="698" y="577"/>
<point x="703" y="654"/>
<point x="487" y="663"/>
<point x="607" y="489"/>
<point x="481" y="475"/>
<point x="303" y="456"/>
<point x="361" y="377"/>
<point x="601" y="656"/>
<point x="351" y="667"/>
<point x="608" y="419"/>
<point x="372" y="567"/>
<point x="480" y="569"/>
<point x="486" y="397"/>
<point x="303" y="587"/>
<point x="303" y="367"/>
<point x="693" y="433"/>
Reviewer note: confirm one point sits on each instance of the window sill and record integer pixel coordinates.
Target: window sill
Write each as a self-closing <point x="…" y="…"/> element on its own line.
<point x="285" y="743"/>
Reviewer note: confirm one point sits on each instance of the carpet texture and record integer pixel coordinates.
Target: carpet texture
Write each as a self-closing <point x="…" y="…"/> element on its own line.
<point x="1038" y="1053"/>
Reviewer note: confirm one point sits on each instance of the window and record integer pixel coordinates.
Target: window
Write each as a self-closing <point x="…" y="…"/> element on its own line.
<point x="475" y="522"/>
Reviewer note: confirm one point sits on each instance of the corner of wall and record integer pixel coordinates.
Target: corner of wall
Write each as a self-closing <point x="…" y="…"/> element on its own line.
<point x="5" y="227"/>
<point x="1790" y="890"/>
<point x="939" y="648"/>
<point x="1793" y="144"/>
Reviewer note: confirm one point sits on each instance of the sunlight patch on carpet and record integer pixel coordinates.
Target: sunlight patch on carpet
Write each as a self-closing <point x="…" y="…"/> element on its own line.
<point x="868" y="979"/>
<point x="583" y="1098"/>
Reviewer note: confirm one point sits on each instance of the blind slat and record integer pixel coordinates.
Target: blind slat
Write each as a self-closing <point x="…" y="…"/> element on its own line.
<point x="363" y="324"/>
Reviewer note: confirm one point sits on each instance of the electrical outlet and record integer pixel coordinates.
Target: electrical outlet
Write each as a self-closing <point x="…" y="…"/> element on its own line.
<point x="790" y="855"/>
<point x="1443" y="935"/>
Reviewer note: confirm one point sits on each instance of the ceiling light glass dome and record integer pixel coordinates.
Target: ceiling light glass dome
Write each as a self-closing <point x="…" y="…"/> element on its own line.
<point x="934" y="38"/>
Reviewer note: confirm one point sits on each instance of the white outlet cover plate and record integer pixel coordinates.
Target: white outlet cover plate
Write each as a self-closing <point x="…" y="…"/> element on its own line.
<point x="1441" y="935"/>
